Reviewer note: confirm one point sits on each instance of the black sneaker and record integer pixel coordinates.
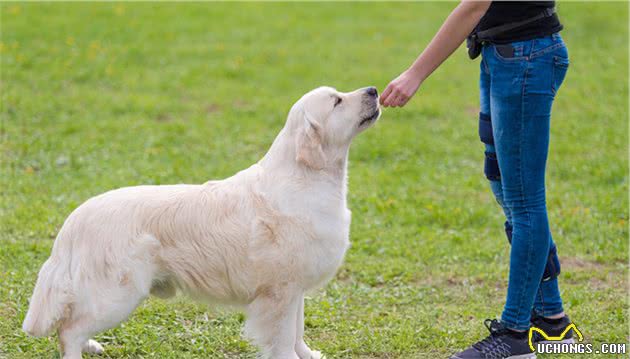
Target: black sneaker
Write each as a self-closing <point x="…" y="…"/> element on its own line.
<point x="551" y="327"/>
<point x="502" y="343"/>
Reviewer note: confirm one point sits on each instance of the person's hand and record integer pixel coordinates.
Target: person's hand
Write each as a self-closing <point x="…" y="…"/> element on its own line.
<point x="401" y="89"/>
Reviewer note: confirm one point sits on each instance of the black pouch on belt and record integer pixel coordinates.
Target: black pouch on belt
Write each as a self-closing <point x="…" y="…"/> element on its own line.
<point x="474" y="46"/>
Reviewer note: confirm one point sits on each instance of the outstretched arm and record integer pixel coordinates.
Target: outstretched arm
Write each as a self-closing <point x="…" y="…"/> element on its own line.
<point x="453" y="32"/>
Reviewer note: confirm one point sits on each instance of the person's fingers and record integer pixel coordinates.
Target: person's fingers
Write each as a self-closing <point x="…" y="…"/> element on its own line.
<point x="393" y="99"/>
<point x="386" y="93"/>
<point x="398" y="100"/>
<point x="390" y="93"/>
<point x="395" y="94"/>
<point x="387" y="102"/>
<point x="384" y="100"/>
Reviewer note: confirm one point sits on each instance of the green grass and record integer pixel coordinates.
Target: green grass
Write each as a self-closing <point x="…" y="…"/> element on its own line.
<point x="99" y="96"/>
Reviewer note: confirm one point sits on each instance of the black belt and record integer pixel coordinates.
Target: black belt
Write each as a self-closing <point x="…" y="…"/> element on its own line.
<point x="475" y="40"/>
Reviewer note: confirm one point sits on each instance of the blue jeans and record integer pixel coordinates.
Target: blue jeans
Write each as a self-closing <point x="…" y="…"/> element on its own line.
<point x="518" y="84"/>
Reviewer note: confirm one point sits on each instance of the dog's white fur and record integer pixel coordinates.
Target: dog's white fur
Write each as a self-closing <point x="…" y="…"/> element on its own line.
<point x="259" y="239"/>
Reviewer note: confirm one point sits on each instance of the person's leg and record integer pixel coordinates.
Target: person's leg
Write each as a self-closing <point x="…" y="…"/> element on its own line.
<point x="548" y="302"/>
<point x="521" y="97"/>
<point x="517" y="107"/>
<point x="491" y="165"/>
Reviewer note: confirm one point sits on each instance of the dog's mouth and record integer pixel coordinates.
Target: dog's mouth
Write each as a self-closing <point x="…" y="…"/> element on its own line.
<point x="370" y="118"/>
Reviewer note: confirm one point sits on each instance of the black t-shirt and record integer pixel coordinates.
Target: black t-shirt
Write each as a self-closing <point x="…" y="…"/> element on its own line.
<point x="503" y="12"/>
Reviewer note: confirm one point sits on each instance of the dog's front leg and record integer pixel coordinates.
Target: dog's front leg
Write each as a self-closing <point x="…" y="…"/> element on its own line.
<point x="302" y="350"/>
<point x="271" y="321"/>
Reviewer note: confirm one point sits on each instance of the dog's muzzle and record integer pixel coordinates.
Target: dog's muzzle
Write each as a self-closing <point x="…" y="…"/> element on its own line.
<point x="370" y="118"/>
<point x="370" y="101"/>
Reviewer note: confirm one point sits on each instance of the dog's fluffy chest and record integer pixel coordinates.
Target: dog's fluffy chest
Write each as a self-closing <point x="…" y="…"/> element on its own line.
<point x="305" y="227"/>
<point x="325" y="244"/>
<point x="330" y="246"/>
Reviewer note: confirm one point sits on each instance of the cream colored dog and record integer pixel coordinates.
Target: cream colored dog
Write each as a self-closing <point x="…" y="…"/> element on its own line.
<point x="259" y="239"/>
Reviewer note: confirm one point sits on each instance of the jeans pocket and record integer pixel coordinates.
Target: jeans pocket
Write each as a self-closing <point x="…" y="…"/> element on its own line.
<point x="506" y="51"/>
<point x="560" y="67"/>
<point x="509" y="52"/>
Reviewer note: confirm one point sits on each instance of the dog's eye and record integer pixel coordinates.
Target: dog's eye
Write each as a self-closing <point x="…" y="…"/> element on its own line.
<point x="337" y="100"/>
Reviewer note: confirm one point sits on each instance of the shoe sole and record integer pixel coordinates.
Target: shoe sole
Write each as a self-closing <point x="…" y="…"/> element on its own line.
<point x="522" y="356"/>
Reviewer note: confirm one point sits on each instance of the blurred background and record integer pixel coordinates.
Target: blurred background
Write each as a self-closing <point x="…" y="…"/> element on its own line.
<point x="96" y="96"/>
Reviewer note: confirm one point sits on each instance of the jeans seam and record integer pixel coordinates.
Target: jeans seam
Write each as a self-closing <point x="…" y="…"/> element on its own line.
<point x="484" y="66"/>
<point x="554" y="68"/>
<point x="553" y="76"/>
<point x="542" y="300"/>
<point x="522" y="190"/>
<point x="547" y="49"/>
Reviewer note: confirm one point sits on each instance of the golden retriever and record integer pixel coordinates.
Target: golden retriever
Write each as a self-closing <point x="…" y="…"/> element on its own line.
<point x="259" y="239"/>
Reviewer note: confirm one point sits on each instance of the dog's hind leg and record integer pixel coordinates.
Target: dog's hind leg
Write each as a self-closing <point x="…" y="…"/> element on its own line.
<point x="76" y="331"/>
<point x="101" y="305"/>
<point x="302" y="350"/>
<point x="271" y="321"/>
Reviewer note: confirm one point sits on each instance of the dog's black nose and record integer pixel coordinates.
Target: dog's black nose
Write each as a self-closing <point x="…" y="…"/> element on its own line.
<point x="372" y="91"/>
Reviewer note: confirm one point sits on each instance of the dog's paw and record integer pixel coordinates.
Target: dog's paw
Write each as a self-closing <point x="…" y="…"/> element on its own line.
<point x="312" y="355"/>
<point x="304" y="352"/>
<point x="92" y="347"/>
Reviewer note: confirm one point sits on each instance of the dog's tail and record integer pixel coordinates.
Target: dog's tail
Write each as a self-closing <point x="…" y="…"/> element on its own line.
<point x="51" y="299"/>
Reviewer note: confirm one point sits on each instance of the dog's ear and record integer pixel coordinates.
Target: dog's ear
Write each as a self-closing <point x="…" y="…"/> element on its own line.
<point x="309" y="144"/>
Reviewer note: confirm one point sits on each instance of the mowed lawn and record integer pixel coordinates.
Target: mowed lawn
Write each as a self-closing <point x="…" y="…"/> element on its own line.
<point x="100" y="96"/>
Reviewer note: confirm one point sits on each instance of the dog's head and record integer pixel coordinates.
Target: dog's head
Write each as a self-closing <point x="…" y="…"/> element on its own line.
<point x="324" y="122"/>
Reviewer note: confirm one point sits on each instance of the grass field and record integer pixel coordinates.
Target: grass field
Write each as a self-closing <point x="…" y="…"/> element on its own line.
<point x="99" y="96"/>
